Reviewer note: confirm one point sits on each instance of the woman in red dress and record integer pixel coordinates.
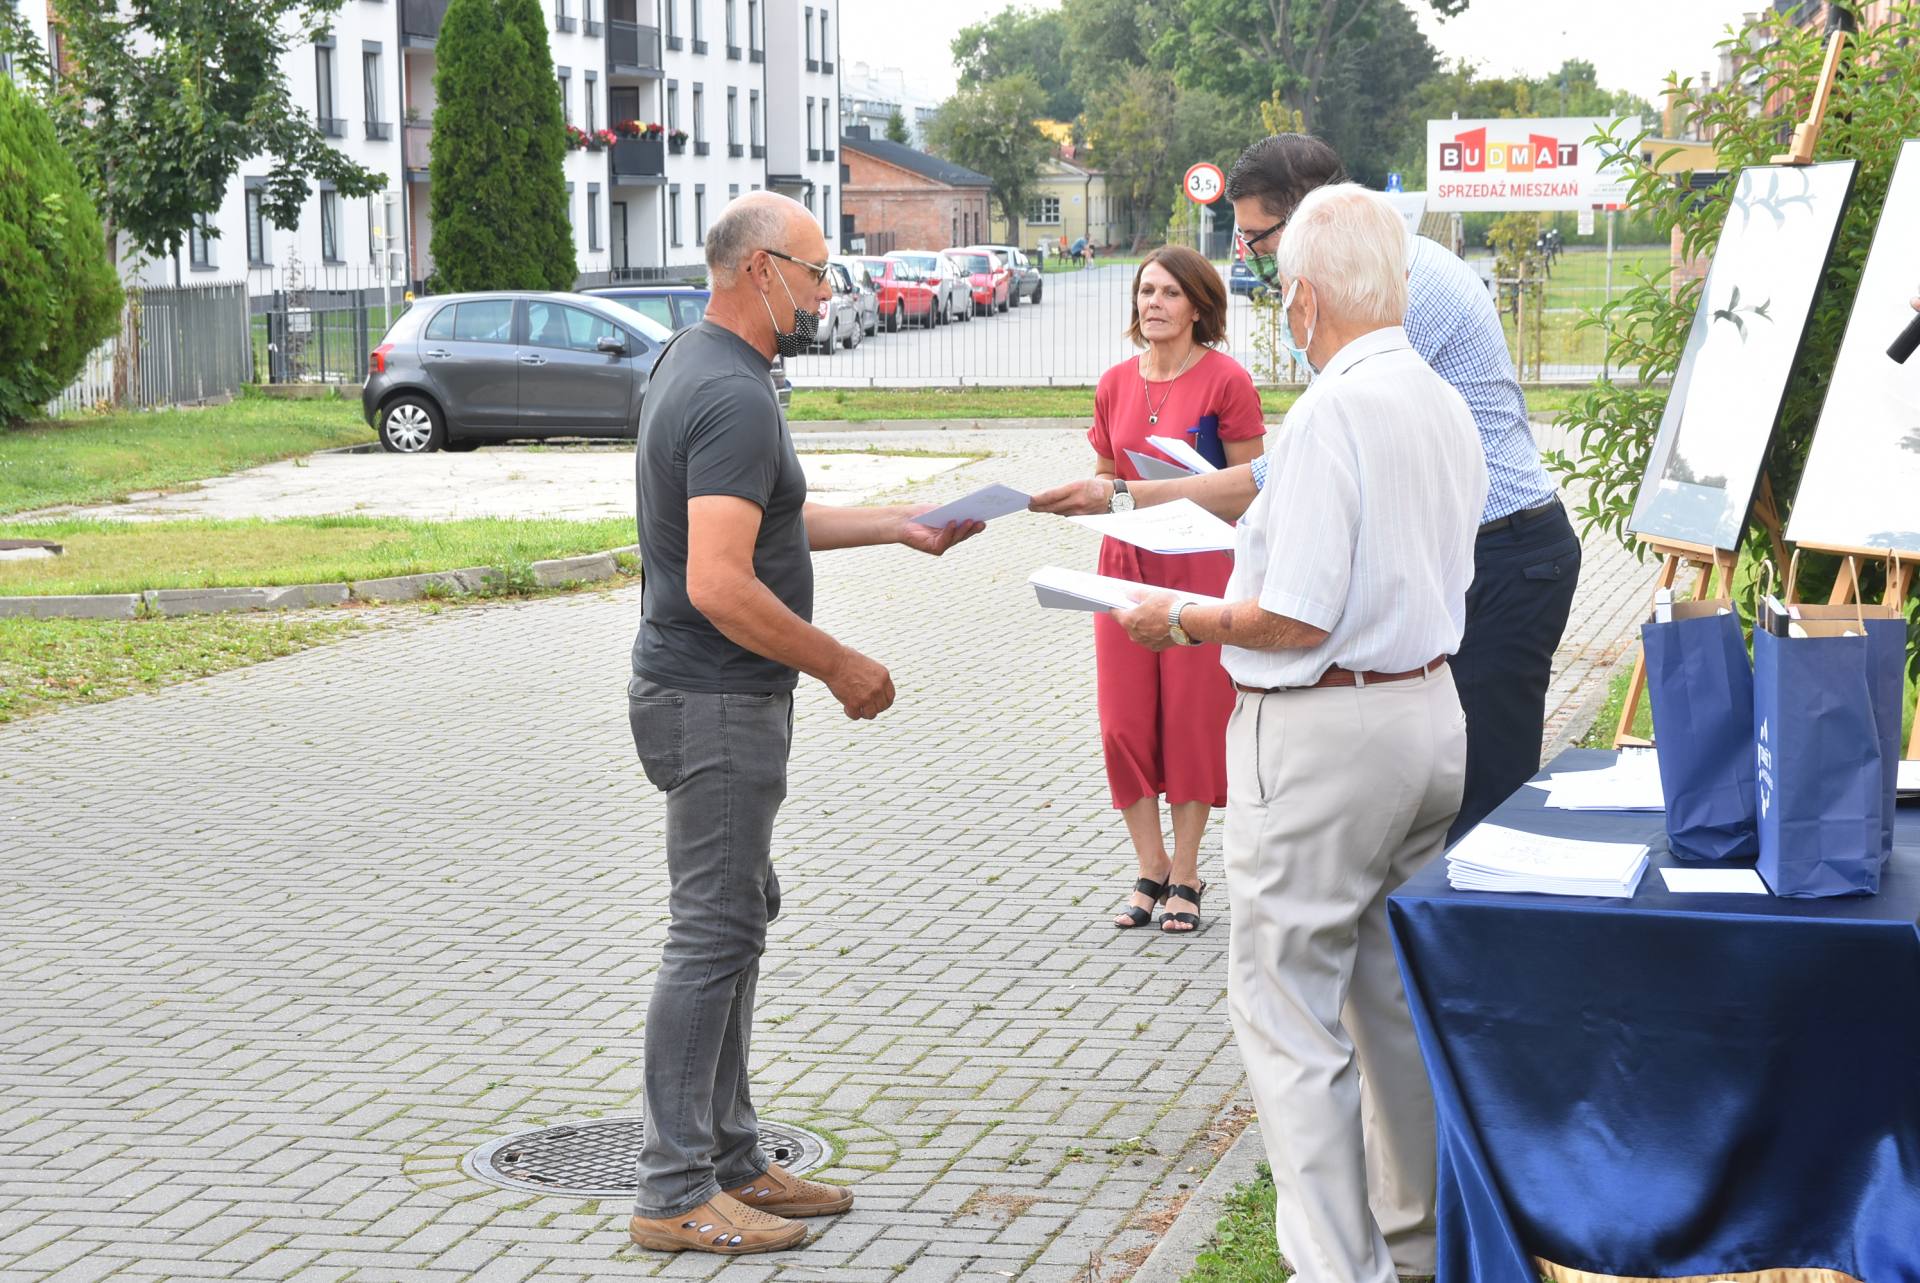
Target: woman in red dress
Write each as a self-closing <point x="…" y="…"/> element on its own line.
<point x="1163" y="717"/>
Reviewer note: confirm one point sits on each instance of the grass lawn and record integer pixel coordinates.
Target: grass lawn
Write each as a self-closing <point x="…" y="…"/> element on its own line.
<point x="100" y="458"/>
<point x="1243" y="1250"/>
<point x="859" y="405"/>
<point x="47" y="664"/>
<point x="1578" y="282"/>
<point x="124" y="556"/>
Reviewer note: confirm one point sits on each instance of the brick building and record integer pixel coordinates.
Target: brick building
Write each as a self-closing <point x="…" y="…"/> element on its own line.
<point x="897" y="198"/>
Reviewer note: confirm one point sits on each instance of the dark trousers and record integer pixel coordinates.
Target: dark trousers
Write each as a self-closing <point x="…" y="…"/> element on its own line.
<point x="1517" y="606"/>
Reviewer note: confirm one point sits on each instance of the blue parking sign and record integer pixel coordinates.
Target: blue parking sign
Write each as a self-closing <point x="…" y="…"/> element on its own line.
<point x="1394" y="184"/>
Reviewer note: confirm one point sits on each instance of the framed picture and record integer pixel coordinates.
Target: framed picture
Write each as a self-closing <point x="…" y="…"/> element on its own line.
<point x="1861" y="489"/>
<point x="1745" y="338"/>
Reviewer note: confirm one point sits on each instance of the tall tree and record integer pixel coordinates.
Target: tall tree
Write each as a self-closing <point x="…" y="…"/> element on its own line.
<point x="1367" y="92"/>
<point x="62" y="296"/>
<point x="1143" y="132"/>
<point x="989" y="128"/>
<point x="1106" y="37"/>
<point x="498" y="198"/>
<point x="897" y="128"/>
<point x="159" y="103"/>
<point x="1287" y="47"/>
<point x="1020" y="42"/>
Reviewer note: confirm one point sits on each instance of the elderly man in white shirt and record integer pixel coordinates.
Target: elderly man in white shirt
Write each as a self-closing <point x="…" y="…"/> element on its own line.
<point x="1346" y="753"/>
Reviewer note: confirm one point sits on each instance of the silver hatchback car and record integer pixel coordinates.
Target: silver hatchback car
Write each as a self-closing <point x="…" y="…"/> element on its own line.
<point x="456" y="370"/>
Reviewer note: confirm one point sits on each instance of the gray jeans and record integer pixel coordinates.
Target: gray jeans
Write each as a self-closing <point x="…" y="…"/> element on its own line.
<point x="722" y="762"/>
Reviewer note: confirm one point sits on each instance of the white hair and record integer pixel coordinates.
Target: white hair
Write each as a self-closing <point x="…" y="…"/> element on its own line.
<point x="744" y="227"/>
<point x="1352" y="245"/>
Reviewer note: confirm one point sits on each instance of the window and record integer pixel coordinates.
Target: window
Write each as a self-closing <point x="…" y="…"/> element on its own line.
<point x="257" y="247"/>
<point x="593" y="216"/>
<point x="673" y="22"/>
<point x="329" y="225"/>
<point x="562" y="20"/>
<point x="733" y="30"/>
<point x="826" y="46"/>
<point x="811" y="145"/>
<point x="826" y="126"/>
<point x="826" y="212"/>
<point x="566" y="95"/>
<point x="373" y="235"/>
<point x="733" y="118"/>
<point x="592" y="93"/>
<point x="699" y="27"/>
<point x="673" y="105"/>
<point x="555" y="325"/>
<point x="1044" y="210"/>
<point x="733" y="191"/>
<point x="370" y="90"/>
<point x="753" y="115"/>
<point x="812" y="61"/>
<point x="324" y="102"/>
<point x="573" y="226"/>
<point x="484" y="321"/>
<point x="699" y="213"/>
<point x="673" y="214"/>
<point x="753" y="28"/>
<point x="655" y="307"/>
<point x="200" y="244"/>
<point x="699" y="116"/>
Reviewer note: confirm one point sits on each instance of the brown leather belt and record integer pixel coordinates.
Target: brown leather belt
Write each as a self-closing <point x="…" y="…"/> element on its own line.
<point x="1346" y="677"/>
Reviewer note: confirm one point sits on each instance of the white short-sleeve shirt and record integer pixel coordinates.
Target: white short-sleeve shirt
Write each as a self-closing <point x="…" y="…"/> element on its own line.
<point x="1366" y="525"/>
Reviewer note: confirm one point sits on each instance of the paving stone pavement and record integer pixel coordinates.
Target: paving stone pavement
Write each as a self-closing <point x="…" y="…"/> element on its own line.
<point x="278" y="947"/>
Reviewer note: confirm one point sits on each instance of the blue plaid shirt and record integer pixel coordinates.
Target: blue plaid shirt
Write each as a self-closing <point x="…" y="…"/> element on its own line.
<point x="1452" y="324"/>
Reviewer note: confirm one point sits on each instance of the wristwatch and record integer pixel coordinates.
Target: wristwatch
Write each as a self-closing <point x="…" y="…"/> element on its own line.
<point x="1174" y="630"/>
<point x="1121" y="501"/>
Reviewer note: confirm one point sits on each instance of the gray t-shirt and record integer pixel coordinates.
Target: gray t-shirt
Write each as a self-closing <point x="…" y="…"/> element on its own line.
<point x="711" y="425"/>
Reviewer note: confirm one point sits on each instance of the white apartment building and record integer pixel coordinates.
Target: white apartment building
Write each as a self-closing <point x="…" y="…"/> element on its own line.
<point x="753" y="83"/>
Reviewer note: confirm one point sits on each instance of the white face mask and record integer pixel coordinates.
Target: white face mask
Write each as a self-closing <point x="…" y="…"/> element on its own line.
<point x="1286" y="327"/>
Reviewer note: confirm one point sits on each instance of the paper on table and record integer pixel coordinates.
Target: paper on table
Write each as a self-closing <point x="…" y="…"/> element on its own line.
<point x="1180" y="452"/>
<point x="1061" y="589"/>
<point x="1177" y="527"/>
<point x="1714" y="881"/>
<point x="1907" y="777"/>
<point x="1152" y="469"/>
<point x="982" y="505"/>
<point x="1632" y="783"/>
<point x="1491" y="858"/>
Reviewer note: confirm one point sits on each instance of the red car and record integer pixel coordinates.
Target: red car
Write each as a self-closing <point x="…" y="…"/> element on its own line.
<point x="989" y="279"/>
<point x="905" y="298"/>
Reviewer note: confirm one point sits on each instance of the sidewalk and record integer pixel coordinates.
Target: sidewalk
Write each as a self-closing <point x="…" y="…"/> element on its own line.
<point x="279" y="947"/>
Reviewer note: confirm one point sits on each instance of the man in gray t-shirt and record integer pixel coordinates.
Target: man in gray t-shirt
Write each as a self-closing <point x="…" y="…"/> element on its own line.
<point x="726" y="538"/>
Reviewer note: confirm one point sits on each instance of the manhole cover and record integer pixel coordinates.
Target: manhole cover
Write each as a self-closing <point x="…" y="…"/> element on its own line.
<point x="598" y="1158"/>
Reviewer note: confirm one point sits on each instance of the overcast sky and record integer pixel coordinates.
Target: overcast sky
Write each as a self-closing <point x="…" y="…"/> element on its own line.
<point x="1632" y="43"/>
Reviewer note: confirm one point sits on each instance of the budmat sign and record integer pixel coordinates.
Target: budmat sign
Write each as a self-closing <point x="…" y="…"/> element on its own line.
<point x="1545" y="163"/>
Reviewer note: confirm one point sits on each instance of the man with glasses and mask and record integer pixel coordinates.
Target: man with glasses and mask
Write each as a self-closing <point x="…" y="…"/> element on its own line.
<point x="1526" y="555"/>
<point x="726" y="534"/>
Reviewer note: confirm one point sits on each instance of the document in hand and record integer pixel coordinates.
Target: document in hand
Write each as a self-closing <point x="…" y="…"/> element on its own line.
<point x="1152" y="469"/>
<point x="1060" y="589"/>
<point x="1180" y="526"/>
<point x="1490" y="858"/>
<point x="1182" y="453"/>
<point x="982" y="505"/>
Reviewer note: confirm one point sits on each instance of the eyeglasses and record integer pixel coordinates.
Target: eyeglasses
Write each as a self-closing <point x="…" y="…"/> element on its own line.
<point x="1249" y="239"/>
<point x="817" y="270"/>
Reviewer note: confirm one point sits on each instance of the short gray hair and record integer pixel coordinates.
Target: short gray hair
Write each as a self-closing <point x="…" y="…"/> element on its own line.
<point x="742" y="228"/>
<point x="1352" y="244"/>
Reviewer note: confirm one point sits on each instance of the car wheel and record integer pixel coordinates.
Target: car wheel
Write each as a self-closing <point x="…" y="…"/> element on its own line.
<point x="1036" y="294"/>
<point x="1004" y="304"/>
<point x="853" y="339"/>
<point x="898" y="320"/>
<point x="411" y="424"/>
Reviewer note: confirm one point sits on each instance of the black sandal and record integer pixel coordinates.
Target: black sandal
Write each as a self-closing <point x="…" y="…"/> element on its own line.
<point x="1190" y="922"/>
<point x="1139" y="916"/>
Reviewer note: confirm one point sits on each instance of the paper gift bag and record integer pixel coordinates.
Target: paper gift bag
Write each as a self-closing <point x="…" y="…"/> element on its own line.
<point x="1818" y="780"/>
<point x="1700" y="683"/>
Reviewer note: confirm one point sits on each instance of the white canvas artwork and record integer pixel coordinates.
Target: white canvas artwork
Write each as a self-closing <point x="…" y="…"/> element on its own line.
<point x="1861" y="488"/>
<point x="1746" y="332"/>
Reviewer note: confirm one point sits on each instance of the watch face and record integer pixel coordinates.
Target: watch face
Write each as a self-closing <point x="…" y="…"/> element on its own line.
<point x="1122" y="501"/>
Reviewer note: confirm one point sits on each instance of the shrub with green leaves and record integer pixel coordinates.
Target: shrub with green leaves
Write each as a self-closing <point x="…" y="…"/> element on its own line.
<point x="61" y="296"/>
<point x="1873" y="108"/>
<point x="498" y="198"/>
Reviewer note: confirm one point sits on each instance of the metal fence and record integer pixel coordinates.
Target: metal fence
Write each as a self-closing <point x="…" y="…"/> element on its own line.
<point x="178" y="345"/>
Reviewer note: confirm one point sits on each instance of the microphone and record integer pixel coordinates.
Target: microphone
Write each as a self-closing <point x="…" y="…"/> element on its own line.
<point x="1909" y="340"/>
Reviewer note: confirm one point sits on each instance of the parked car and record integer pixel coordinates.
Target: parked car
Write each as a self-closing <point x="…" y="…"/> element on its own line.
<point x="1026" y="273"/>
<point x="950" y="286"/>
<point x="904" y="298"/>
<point x="677" y="307"/>
<point x="869" y="294"/>
<point x="1241" y="280"/>
<point x="839" y="314"/>
<point x="455" y="370"/>
<point x="989" y="281"/>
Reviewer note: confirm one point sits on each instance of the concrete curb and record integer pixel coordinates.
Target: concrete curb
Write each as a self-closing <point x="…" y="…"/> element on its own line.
<point x="174" y="602"/>
<point x="1173" y="1256"/>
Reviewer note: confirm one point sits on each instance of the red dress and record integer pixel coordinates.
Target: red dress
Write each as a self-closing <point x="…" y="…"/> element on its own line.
<point x="1163" y="718"/>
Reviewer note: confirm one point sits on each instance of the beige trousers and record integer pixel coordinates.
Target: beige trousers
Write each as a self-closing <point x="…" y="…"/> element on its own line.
<point x="1334" y="798"/>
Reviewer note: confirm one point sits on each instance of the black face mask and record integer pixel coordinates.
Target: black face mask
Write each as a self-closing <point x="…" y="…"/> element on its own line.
<point x="791" y="343"/>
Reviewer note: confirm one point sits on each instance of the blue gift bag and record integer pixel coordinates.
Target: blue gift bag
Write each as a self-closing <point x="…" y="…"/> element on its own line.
<point x="1700" y="684"/>
<point x="1887" y="672"/>
<point x="1206" y="439"/>
<point x="1818" y="782"/>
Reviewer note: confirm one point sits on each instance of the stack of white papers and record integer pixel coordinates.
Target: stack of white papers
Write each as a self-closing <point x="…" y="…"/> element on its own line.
<point x="1179" y="527"/>
<point x="1632" y="783"/>
<point x="1182" y="453"/>
<point x="1491" y="858"/>
<point x="1061" y="589"/>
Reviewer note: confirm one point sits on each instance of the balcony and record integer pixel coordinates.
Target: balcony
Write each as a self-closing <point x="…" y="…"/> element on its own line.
<point x="826" y="153"/>
<point x="756" y="55"/>
<point x="736" y="150"/>
<point x="331" y="126"/>
<point x="639" y="159"/>
<point x="702" y="149"/>
<point x="759" y="151"/>
<point x="813" y="64"/>
<point x="379" y="130"/>
<point x="594" y="28"/>
<point x="699" y="45"/>
<point x="634" y="50"/>
<point x="675" y="43"/>
<point x="565" y="22"/>
<point x="420" y="21"/>
<point x="733" y="52"/>
<point x="813" y="153"/>
<point x="826" y="65"/>
<point x="416" y="146"/>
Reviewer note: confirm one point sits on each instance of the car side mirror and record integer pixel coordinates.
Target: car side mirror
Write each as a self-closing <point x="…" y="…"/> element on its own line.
<point x="612" y="345"/>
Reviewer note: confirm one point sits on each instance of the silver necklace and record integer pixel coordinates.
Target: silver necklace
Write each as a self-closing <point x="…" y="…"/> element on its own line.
<point x="1146" y="389"/>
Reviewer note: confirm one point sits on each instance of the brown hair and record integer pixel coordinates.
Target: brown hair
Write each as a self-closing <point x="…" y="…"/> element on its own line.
<point x="1280" y="171"/>
<point x="1199" y="280"/>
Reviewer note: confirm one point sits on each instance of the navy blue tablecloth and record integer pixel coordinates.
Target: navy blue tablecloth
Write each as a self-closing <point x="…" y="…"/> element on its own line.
<point x="1669" y="1085"/>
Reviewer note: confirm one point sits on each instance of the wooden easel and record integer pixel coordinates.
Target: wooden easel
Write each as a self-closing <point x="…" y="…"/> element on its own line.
<point x="1674" y="553"/>
<point x="1899" y="582"/>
